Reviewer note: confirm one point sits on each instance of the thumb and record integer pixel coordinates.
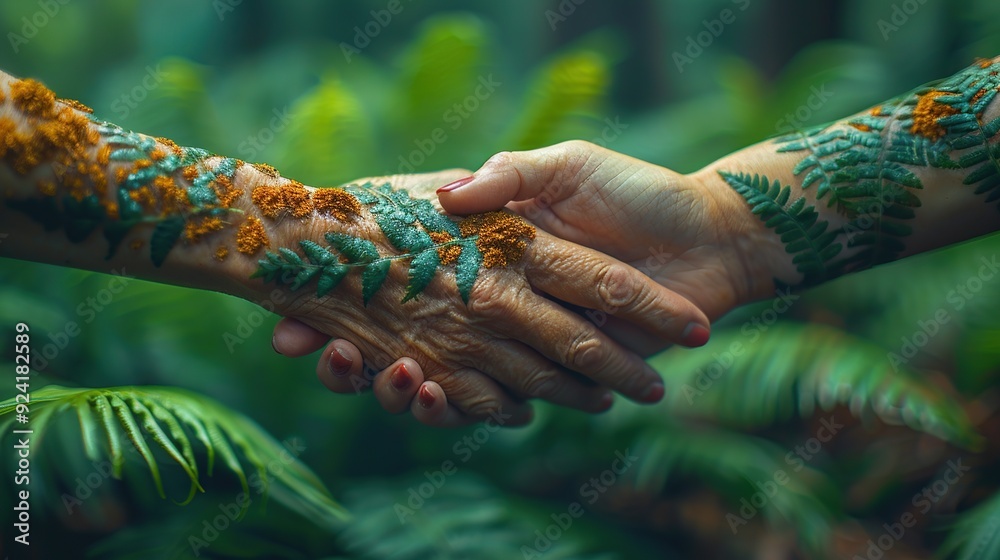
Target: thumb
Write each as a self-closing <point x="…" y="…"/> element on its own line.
<point x="509" y="176"/>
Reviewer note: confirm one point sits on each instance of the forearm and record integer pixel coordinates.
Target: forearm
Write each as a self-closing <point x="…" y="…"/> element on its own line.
<point x="910" y="175"/>
<point x="79" y="192"/>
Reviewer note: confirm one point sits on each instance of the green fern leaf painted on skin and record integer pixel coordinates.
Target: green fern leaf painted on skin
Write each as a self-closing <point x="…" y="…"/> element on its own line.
<point x="810" y="241"/>
<point x="467" y="269"/>
<point x="330" y="278"/>
<point x="865" y="167"/>
<point x="408" y="225"/>
<point x="164" y="237"/>
<point x="373" y="277"/>
<point x="355" y="249"/>
<point x="423" y="267"/>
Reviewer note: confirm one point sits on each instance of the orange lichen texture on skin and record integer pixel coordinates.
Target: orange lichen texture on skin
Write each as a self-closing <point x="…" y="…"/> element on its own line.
<point x="137" y="244"/>
<point x="292" y="198"/>
<point x="221" y="253"/>
<point x="926" y="115"/>
<point x="860" y="126"/>
<point x="251" y="237"/>
<point x="227" y="193"/>
<point x="977" y="96"/>
<point x="502" y="237"/>
<point x="58" y="135"/>
<point x="33" y="99"/>
<point x="197" y="228"/>
<point x="171" y="145"/>
<point x="267" y="170"/>
<point x="337" y="203"/>
<point x="77" y="105"/>
<point x="449" y="253"/>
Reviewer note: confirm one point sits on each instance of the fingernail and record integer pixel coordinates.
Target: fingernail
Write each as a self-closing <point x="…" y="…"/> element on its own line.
<point x="275" y="346"/>
<point x="654" y="393"/>
<point x="425" y="398"/>
<point x="694" y="335"/>
<point x="401" y="378"/>
<point x="339" y="363"/>
<point x="607" y="399"/>
<point x="457" y="184"/>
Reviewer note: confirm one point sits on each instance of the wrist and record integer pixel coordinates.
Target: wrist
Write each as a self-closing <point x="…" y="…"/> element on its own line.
<point x="757" y="255"/>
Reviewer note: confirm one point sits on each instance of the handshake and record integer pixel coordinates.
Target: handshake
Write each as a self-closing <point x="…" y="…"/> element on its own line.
<point x="628" y="258"/>
<point x="572" y="264"/>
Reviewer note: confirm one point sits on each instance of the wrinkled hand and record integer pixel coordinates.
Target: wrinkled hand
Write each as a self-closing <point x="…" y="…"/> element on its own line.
<point x="689" y="233"/>
<point x="508" y="344"/>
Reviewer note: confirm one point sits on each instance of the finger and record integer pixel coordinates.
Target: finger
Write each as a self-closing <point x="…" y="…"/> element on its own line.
<point x="396" y="386"/>
<point x="630" y="336"/>
<point x="508" y="176"/>
<point x="341" y="368"/>
<point x="293" y="338"/>
<point x="634" y="338"/>
<point x="419" y="185"/>
<point x="482" y="397"/>
<point x="527" y="373"/>
<point x="431" y="407"/>
<point x="566" y="339"/>
<point x="587" y="278"/>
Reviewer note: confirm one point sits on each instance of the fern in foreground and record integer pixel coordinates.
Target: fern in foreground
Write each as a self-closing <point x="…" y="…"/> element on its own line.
<point x="166" y="418"/>
<point x="976" y="534"/>
<point x="791" y="368"/>
<point x="739" y="466"/>
<point x="466" y="518"/>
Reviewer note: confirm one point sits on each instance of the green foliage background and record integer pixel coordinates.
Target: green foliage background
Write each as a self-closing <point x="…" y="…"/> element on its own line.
<point x="269" y="81"/>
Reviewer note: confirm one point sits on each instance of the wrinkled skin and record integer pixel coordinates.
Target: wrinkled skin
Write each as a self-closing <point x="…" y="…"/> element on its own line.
<point x="510" y="342"/>
<point x="686" y="232"/>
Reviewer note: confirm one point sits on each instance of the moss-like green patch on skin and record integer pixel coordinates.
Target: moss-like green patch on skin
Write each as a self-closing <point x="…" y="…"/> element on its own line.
<point x="422" y="235"/>
<point x="866" y="169"/>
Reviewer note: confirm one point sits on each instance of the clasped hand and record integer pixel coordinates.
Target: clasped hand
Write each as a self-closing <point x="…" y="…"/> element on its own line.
<point x="631" y="258"/>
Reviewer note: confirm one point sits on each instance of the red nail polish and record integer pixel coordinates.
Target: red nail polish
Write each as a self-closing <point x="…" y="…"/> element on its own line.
<point x="607" y="400"/>
<point x="695" y="335"/>
<point x="401" y="378"/>
<point x="339" y="363"/>
<point x="457" y="184"/>
<point x="425" y="398"/>
<point x="654" y="393"/>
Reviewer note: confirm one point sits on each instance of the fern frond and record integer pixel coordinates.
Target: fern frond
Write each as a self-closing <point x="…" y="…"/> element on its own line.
<point x="864" y="167"/>
<point x="407" y="224"/>
<point x="809" y="240"/>
<point x="789" y="369"/>
<point x="328" y="138"/>
<point x="572" y="85"/>
<point x="736" y="464"/>
<point x="976" y="534"/>
<point x="440" y="68"/>
<point x="466" y="518"/>
<point x="179" y="106"/>
<point x="969" y="93"/>
<point x="162" y="418"/>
